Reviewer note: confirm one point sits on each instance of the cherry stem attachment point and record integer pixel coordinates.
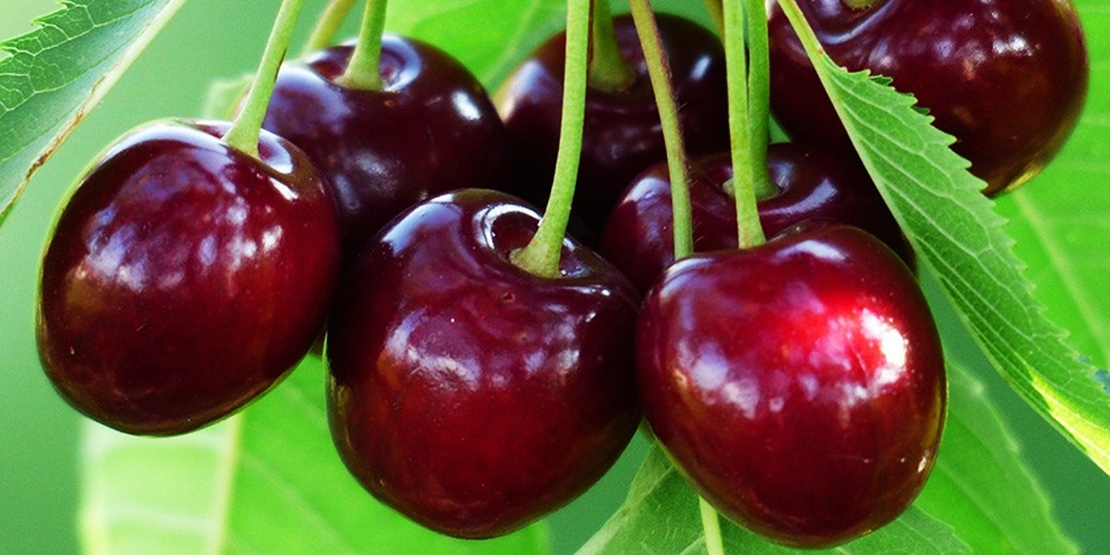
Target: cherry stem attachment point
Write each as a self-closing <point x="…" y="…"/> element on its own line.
<point x="364" y="69"/>
<point x="660" y="73"/>
<point x="542" y="254"/>
<point x="609" y="71"/>
<point x="711" y="525"/>
<point x="749" y="230"/>
<point x="247" y="127"/>
<point x="323" y="35"/>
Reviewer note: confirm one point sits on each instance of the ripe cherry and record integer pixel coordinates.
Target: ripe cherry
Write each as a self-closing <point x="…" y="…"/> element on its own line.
<point x="430" y="128"/>
<point x="1007" y="78"/>
<point x="814" y="183"/>
<point x="798" y="384"/>
<point x="470" y="395"/>
<point x="622" y="134"/>
<point x="185" y="278"/>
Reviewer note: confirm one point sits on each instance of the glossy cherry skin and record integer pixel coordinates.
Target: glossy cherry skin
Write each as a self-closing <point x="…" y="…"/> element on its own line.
<point x="184" y="278"/>
<point x="1007" y="78"/>
<point x="431" y="128"/>
<point x="466" y="393"/>
<point x="815" y="183"/>
<point x="622" y="135"/>
<point x="799" y="384"/>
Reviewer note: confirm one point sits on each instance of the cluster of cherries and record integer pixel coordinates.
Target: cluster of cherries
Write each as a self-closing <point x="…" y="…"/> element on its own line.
<point x="798" y="383"/>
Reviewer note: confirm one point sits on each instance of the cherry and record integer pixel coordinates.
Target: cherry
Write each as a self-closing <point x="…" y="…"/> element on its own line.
<point x="1007" y="79"/>
<point x="798" y="384"/>
<point x="184" y="278"/>
<point x="468" y="394"/>
<point x="622" y="134"/>
<point x="814" y="183"/>
<point x="430" y="128"/>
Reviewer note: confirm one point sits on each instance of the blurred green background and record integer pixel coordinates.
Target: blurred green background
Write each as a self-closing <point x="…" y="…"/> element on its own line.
<point x="209" y="38"/>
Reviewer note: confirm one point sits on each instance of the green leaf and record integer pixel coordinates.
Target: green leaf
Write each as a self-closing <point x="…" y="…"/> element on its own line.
<point x="1061" y="219"/>
<point x="957" y="233"/>
<point x="54" y="74"/>
<point x="491" y="46"/>
<point x="981" y="485"/>
<point x="266" y="481"/>
<point x="661" y="515"/>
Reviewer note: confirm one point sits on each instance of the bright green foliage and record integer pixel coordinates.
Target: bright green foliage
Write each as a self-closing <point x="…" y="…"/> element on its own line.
<point x="661" y="516"/>
<point x="490" y="45"/>
<point x="53" y="75"/>
<point x="980" y="487"/>
<point x="1061" y="220"/>
<point x="962" y="240"/>
<point x="266" y="481"/>
<point x="269" y="480"/>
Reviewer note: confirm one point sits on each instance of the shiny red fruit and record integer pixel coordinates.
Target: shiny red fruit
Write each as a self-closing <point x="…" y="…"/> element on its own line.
<point x="1007" y="78"/>
<point x="799" y="384"/>
<point x="622" y="135"/>
<point x="431" y="128"/>
<point x="814" y="183"/>
<point x="466" y="393"/>
<point x="184" y="278"/>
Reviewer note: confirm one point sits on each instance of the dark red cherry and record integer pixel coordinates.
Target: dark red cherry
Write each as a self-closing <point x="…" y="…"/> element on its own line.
<point x="622" y="134"/>
<point x="430" y="128"/>
<point x="815" y="183"/>
<point x="184" y="278"/>
<point x="799" y="384"/>
<point x="466" y="393"/>
<point x="1007" y="78"/>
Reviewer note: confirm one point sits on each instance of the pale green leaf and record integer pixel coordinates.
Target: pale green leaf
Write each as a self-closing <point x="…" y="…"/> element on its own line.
<point x="661" y="516"/>
<point x="266" y="481"/>
<point x="962" y="240"/>
<point x="1061" y="219"/>
<point x="488" y="36"/>
<point x="51" y="76"/>
<point x="981" y="485"/>
<point x="491" y="37"/>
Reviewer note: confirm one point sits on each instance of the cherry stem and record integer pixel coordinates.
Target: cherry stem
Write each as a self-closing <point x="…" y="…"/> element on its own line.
<point x="749" y="231"/>
<point x="609" y="71"/>
<point x="711" y="525"/>
<point x="542" y="254"/>
<point x="323" y="35"/>
<point x="860" y="4"/>
<point x="660" y="73"/>
<point x="759" y="96"/>
<point x="364" y="69"/>
<point x="246" y="129"/>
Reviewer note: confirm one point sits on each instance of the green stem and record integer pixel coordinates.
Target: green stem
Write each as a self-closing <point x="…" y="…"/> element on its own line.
<point x="660" y="72"/>
<point x="323" y="35"/>
<point x="711" y="525"/>
<point x="759" y="97"/>
<point x="364" y="70"/>
<point x="247" y="126"/>
<point x="749" y="231"/>
<point x="541" y="255"/>
<point x="609" y="71"/>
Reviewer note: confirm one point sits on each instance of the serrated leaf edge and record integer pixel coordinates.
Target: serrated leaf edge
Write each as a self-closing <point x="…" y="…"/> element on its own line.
<point x="101" y="88"/>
